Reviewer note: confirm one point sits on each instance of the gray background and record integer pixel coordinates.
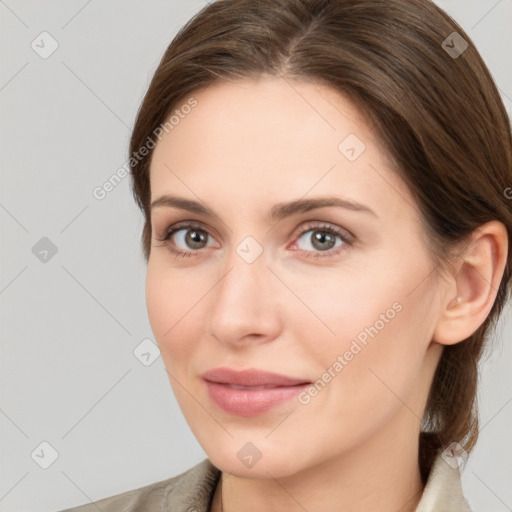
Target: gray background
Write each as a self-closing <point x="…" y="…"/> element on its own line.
<point x="70" y="325"/>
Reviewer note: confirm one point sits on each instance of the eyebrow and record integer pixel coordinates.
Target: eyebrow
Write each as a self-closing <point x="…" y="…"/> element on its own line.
<point x="276" y="213"/>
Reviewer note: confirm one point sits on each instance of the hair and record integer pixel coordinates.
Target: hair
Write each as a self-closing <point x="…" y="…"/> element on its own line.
<point x="439" y="116"/>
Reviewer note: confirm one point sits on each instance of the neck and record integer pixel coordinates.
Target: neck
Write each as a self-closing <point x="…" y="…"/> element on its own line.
<point x="377" y="476"/>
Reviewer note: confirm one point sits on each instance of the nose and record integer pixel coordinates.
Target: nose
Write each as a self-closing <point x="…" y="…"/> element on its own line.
<point x="246" y="302"/>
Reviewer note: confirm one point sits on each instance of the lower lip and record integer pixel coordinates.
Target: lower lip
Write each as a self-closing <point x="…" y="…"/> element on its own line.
<point x="251" y="402"/>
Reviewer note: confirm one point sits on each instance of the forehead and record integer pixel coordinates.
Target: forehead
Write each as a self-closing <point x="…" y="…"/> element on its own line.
<point x="274" y="139"/>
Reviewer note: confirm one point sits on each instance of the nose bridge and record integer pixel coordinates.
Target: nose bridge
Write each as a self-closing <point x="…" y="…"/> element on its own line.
<point x="244" y="298"/>
<point x="245" y="272"/>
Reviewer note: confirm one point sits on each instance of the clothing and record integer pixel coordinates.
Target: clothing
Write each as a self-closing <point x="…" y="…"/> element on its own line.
<point x="192" y="491"/>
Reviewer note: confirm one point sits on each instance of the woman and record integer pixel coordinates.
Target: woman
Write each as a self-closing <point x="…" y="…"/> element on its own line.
<point x="326" y="192"/>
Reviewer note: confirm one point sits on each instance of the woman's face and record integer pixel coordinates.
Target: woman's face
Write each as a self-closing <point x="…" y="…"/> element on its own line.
<point x="340" y="297"/>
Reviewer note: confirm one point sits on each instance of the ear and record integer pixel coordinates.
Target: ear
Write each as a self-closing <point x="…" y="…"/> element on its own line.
<point x="473" y="286"/>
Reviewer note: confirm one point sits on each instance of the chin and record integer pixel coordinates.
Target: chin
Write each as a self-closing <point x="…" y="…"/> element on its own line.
<point x="258" y="459"/>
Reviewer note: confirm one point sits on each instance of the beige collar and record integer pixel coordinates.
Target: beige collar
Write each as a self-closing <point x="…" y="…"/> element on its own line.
<point x="195" y="488"/>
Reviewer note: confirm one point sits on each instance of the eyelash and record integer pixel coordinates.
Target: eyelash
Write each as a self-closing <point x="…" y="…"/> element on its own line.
<point x="327" y="228"/>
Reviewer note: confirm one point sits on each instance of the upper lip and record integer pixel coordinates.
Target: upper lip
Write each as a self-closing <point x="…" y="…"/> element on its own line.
<point x="250" y="377"/>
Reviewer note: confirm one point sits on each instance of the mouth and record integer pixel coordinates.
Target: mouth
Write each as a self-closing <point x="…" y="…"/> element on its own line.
<point x="250" y="392"/>
<point x="251" y="378"/>
<point x="268" y="386"/>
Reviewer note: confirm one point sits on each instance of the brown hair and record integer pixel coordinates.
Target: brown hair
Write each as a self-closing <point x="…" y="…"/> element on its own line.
<point x="439" y="115"/>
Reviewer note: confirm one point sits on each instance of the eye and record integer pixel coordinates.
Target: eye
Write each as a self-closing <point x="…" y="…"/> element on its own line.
<point x="185" y="234"/>
<point x="182" y="237"/>
<point x="322" y="240"/>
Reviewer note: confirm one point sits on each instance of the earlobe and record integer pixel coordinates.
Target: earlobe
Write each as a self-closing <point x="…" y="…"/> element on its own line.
<point x="474" y="284"/>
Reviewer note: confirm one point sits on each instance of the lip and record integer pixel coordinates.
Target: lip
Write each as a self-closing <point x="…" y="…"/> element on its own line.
<point x="250" y="392"/>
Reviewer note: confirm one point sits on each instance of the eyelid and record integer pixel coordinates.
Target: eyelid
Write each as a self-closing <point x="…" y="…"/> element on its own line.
<point x="164" y="234"/>
<point x="329" y="226"/>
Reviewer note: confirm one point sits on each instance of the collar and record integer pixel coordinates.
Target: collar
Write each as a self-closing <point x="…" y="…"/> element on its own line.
<point x="443" y="490"/>
<point x="195" y="488"/>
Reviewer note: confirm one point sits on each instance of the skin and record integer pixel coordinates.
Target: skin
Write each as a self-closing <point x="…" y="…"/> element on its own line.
<point x="247" y="146"/>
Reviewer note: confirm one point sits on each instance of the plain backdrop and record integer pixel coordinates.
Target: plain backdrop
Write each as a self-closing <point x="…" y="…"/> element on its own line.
<point x="72" y="276"/>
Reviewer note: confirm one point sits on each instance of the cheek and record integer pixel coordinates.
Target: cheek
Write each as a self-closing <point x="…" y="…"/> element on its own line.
<point x="174" y="314"/>
<point x="357" y="394"/>
<point x="344" y="305"/>
<point x="171" y="313"/>
<point x="379" y="330"/>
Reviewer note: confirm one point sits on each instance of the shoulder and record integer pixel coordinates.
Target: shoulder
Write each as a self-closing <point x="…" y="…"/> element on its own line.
<point x="192" y="489"/>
